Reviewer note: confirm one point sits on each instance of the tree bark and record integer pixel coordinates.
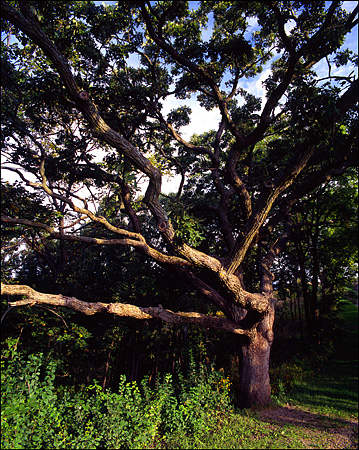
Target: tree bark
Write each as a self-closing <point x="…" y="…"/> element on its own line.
<point x="254" y="370"/>
<point x="122" y="309"/>
<point x="254" y="376"/>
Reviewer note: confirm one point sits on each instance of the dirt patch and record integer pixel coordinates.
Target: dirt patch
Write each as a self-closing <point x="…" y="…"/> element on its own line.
<point x="319" y="430"/>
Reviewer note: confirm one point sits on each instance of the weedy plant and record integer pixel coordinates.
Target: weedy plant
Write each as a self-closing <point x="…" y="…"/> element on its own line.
<point x="38" y="413"/>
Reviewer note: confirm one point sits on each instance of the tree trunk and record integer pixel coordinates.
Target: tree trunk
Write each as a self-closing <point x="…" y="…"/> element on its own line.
<point x="254" y="383"/>
<point x="304" y="284"/>
<point x="314" y="305"/>
<point x="254" y="368"/>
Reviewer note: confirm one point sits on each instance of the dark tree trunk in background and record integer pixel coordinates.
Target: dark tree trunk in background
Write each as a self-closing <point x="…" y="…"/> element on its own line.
<point x="304" y="284"/>
<point x="314" y="304"/>
<point x="299" y="315"/>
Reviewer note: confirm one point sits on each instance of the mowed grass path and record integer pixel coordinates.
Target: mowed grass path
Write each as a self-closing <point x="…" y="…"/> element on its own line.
<point x="321" y="412"/>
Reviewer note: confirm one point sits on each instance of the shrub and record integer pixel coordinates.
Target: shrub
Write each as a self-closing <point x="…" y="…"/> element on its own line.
<point x="37" y="413"/>
<point x="286" y="376"/>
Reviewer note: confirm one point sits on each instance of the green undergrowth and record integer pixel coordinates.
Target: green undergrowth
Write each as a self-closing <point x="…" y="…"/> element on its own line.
<point x="37" y="413"/>
<point x="186" y="410"/>
<point x="195" y="412"/>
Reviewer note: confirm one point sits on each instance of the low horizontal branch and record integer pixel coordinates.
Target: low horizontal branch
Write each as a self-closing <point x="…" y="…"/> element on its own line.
<point x="121" y="309"/>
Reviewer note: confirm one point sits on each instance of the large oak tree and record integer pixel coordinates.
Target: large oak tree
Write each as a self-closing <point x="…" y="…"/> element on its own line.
<point x="83" y="121"/>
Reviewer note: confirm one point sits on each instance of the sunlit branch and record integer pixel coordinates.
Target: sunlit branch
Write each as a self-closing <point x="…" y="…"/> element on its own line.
<point x="72" y="224"/>
<point x="302" y="154"/>
<point x="29" y="25"/>
<point x="120" y="309"/>
<point x="336" y="168"/>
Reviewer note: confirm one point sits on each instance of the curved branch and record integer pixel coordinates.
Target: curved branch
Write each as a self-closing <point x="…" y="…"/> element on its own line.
<point x="120" y="309"/>
<point x="92" y="170"/>
<point x="335" y="168"/>
<point x="198" y="149"/>
<point x="132" y="239"/>
<point x="84" y="211"/>
<point x="281" y="22"/>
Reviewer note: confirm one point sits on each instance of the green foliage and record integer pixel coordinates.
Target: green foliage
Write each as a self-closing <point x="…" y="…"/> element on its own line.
<point x="285" y="377"/>
<point x="180" y="116"/>
<point x="16" y="201"/>
<point x="37" y="413"/>
<point x="188" y="229"/>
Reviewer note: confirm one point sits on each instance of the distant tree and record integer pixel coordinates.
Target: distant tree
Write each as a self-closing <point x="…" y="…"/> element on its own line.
<point x="83" y="123"/>
<point x="320" y="263"/>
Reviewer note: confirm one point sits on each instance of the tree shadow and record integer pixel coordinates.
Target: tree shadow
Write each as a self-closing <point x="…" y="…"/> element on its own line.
<point x="286" y="415"/>
<point x="340" y="395"/>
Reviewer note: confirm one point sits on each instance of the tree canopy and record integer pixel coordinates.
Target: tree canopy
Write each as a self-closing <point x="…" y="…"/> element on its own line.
<point x="84" y="91"/>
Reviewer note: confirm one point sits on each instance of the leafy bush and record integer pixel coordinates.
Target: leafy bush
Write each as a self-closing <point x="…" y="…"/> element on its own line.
<point x="286" y="376"/>
<point x="38" y="413"/>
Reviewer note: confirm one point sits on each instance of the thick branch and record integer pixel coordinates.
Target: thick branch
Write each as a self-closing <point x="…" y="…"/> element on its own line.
<point x="267" y="261"/>
<point x="265" y="203"/>
<point x="281" y="23"/>
<point x="120" y="309"/>
<point x="336" y="168"/>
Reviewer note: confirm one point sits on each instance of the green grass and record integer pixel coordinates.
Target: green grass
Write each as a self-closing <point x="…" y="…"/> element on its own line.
<point x="241" y="432"/>
<point x="335" y="389"/>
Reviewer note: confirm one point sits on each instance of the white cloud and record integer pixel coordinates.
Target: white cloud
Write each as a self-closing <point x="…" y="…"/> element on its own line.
<point x="252" y="22"/>
<point x="258" y="88"/>
<point x="201" y="119"/>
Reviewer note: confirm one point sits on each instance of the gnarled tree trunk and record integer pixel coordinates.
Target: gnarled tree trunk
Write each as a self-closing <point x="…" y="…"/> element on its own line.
<point x="254" y="368"/>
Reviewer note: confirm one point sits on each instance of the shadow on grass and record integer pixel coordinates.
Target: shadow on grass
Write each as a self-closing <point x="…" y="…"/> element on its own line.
<point x="309" y="429"/>
<point x="325" y="406"/>
<point x="296" y="417"/>
<point x="335" y="390"/>
<point x="333" y="395"/>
